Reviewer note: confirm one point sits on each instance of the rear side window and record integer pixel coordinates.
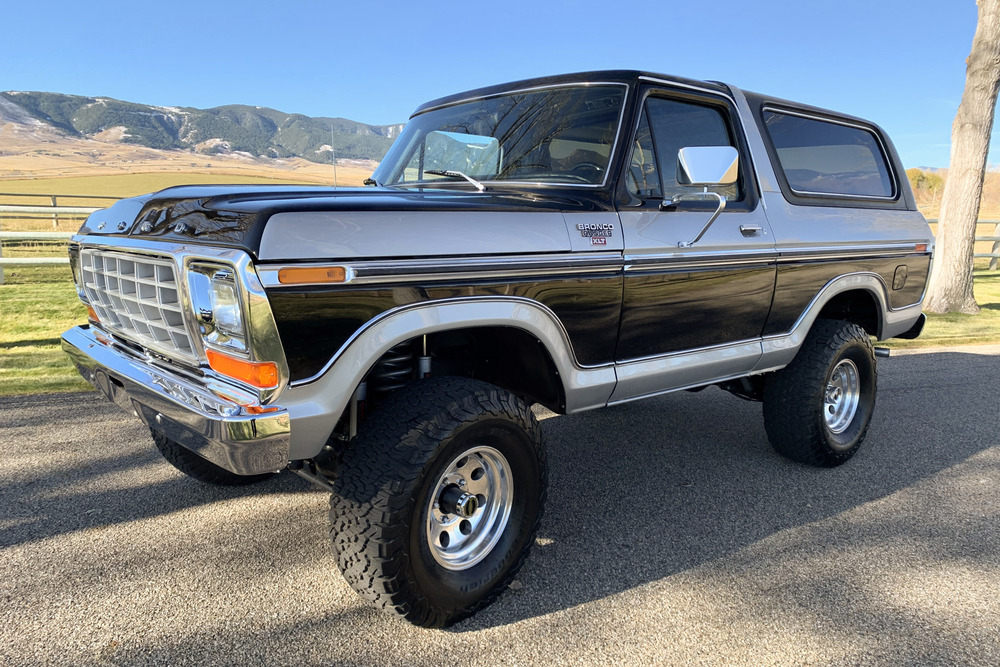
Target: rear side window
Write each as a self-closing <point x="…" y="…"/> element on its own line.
<point x="821" y="157"/>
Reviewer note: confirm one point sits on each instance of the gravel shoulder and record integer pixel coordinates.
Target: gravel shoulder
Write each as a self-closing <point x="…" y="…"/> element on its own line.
<point x="673" y="534"/>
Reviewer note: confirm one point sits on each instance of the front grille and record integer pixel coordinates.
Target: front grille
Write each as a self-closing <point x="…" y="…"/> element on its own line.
<point x="137" y="297"/>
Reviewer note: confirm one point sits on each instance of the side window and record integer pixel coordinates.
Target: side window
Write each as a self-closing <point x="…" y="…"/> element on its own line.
<point x="675" y="125"/>
<point x="643" y="179"/>
<point x="827" y="158"/>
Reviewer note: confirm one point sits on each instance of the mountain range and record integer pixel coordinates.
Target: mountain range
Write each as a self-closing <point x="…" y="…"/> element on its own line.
<point x="253" y="130"/>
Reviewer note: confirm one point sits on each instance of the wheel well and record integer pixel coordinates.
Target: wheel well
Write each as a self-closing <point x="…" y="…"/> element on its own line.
<point x="503" y="356"/>
<point x="856" y="306"/>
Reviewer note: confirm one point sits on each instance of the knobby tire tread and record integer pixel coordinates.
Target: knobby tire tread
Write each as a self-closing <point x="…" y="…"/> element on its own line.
<point x="792" y="394"/>
<point x="382" y="469"/>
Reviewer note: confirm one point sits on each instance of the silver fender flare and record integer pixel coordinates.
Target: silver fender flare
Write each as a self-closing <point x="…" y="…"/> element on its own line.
<point x="315" y="404"/>
<point x="779" y="350"/>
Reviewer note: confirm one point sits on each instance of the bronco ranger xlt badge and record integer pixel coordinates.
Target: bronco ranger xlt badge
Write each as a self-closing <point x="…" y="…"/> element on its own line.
<point x="574" y="241"/>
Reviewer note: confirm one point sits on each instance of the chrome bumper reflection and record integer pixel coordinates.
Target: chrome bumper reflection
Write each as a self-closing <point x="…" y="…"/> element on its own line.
<point x="243" y="444"/>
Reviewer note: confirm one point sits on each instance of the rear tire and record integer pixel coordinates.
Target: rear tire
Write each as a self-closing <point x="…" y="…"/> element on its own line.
<point x="439" y="499"/>
<point x="818" y="408"/>
<point x="200" y="468"/>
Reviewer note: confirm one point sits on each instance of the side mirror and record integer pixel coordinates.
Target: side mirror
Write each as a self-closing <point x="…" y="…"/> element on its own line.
<point x="707" y="165"/>
<point x="704" y="166"/>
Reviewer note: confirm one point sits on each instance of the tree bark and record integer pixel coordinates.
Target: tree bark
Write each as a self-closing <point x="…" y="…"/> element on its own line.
<point x="950" y="289"/>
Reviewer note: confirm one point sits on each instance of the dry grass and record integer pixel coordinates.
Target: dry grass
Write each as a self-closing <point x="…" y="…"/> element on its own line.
<point x="43" y="153"/>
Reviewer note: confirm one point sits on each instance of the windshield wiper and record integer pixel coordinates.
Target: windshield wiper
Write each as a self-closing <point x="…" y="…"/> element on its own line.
<point x="456" y="174"/>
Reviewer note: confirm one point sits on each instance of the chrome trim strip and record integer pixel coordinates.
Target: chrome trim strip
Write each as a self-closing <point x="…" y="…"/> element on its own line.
<point x="474" y="268"/>
<point x="680" y="261"/>
<point x="851" y="252"/>
<point x="846" y="123"/>
<point x="580" y="84"/>
<point x="465" y="268"/>
<point x="672" y="262"/>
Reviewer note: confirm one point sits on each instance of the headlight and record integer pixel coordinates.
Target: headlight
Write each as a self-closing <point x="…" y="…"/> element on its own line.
<point x="218" y="311"/>
<point x="74" y="265"/>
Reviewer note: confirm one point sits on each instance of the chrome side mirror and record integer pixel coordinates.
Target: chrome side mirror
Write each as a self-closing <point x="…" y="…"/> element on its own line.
<point x="704" y="166"/>
<point x="707" y="165"/>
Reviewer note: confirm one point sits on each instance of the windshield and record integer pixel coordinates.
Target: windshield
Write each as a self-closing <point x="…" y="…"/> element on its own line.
<point x="555" y="135"/>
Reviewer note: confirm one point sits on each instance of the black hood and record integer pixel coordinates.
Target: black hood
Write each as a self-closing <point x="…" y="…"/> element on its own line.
<point x="235" y="215"/>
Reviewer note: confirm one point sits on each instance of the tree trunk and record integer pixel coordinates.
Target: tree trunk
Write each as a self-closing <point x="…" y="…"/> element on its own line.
<point x="950" y="289"/>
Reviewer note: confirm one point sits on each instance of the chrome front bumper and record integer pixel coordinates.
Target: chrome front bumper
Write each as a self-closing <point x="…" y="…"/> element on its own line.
<point x="244" y="444"/>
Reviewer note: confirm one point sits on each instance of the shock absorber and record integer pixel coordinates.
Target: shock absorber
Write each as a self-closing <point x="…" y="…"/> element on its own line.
<point x="393" y="370"/>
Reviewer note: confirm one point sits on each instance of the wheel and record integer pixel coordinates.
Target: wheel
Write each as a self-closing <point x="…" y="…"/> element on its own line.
<point x="200" y="468"/>
<point x="439" y="499"/>
<point x="818" y="408"/>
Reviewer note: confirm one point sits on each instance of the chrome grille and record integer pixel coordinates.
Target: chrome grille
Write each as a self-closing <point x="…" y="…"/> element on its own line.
<point x="137" y="297"/>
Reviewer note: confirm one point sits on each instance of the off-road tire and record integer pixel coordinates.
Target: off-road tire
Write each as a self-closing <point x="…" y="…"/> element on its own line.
<point x="379" y="511"/>
<point x="796" y="396"/>
<point x="200" y="468"/>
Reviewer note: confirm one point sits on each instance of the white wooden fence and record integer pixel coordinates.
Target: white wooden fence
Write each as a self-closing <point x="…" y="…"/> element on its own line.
<point x="994" y="253"/>
<point x="46" y="208"/>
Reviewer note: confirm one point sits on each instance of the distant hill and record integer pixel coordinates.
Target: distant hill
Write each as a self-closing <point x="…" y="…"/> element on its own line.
<point x="257" y="131"/>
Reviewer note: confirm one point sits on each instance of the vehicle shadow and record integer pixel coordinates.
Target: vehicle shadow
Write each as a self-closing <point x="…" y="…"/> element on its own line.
<point x="72" y="462"/>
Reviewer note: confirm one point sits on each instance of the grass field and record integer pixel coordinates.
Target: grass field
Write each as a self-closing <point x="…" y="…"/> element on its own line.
<point x="38" y="303"/>
<point x="959" y="329"/>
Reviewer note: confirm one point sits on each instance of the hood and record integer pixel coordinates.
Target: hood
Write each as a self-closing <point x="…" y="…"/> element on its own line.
<point x="236" y="216"/>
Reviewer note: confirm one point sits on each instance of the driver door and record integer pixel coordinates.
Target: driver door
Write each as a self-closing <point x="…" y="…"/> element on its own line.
<point x="692" y="312"/>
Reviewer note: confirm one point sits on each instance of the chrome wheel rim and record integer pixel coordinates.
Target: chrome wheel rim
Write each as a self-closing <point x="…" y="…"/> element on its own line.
<point x="469" y="508"/>
<point x="843" y="394"/>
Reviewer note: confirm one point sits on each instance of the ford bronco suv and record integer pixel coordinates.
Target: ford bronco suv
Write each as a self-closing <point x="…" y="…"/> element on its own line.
<point x="574" y="241"/>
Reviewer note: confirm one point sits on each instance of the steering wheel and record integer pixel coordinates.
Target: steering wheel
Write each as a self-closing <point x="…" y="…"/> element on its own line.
<point x="590" y="168"/>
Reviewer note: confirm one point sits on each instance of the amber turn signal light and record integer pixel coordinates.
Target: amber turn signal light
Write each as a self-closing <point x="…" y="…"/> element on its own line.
<point x="92" y="314"/>
<point x="920" y="247"/>
<point x="307" y="275"/>
<point x="259" y="374"/>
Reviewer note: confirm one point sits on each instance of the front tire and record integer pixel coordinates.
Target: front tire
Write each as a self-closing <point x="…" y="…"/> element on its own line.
<point x="439" y="499"/>
<point x="818" y="408"/>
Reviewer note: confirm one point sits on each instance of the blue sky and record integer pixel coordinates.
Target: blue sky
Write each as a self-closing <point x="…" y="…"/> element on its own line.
<point x="900" y="63"/>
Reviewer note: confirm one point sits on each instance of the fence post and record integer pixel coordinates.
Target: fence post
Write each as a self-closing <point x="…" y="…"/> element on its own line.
<point x="1" y="257"/>
<point x="996" y="248"/>
<point x="55" y="216"/>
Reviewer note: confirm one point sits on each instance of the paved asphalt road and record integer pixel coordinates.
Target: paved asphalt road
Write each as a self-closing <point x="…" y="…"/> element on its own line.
<point x="673" y="535"/>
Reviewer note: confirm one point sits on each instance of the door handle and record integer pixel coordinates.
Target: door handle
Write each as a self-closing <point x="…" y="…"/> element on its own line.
<point x="752" y="230"/>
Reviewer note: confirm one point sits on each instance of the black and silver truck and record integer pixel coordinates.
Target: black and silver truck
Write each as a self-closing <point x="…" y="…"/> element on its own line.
<point x="574" y="241"/>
